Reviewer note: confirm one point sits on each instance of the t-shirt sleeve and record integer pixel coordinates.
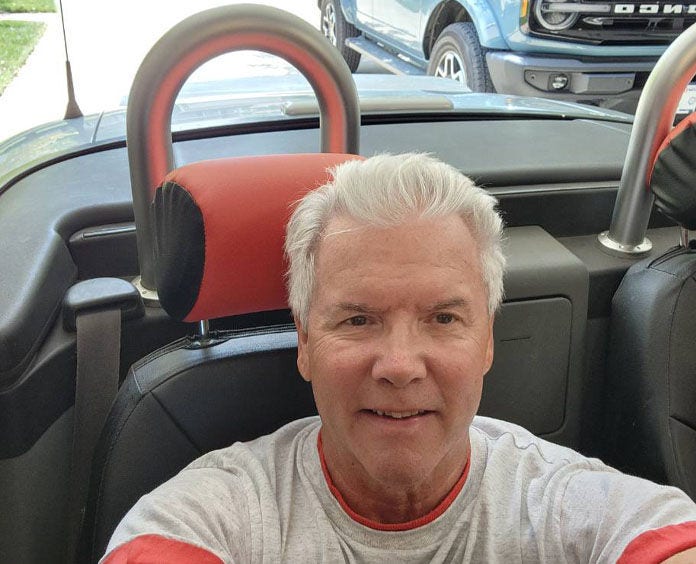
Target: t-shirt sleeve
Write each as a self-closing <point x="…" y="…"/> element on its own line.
<point x="200" y="515"/>
<point x="607" y="516"/>
<point x="147" y="549"/>
<point x="656" y="545"/>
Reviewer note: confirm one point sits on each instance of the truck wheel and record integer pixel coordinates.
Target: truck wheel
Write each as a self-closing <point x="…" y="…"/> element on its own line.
<point x="457" y="54"/>
<point x="336" y="29"/>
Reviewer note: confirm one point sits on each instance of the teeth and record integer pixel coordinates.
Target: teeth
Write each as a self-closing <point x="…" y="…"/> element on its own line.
<point x="398" y="414"/>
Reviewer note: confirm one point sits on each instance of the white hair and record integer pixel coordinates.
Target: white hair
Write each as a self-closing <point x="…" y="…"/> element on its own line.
<point x="387" y="190"/>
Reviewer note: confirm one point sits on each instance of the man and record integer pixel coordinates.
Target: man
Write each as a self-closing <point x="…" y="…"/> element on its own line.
<point x="395" y="275"/>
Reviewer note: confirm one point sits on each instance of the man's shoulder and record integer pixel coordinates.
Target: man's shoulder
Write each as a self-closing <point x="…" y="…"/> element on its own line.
<point x="218" y="497"/>
<point x="557" y="471"/>
<point x="282" y="443"/>
<point x="511" y="440"/>
<point x="572" y="503"/>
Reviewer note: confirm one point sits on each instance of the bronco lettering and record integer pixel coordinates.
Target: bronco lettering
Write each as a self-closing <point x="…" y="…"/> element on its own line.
<point x="663" y="9"/>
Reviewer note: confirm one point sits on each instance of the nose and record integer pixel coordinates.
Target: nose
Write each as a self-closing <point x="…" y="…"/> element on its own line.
<point x="400" y="357"/>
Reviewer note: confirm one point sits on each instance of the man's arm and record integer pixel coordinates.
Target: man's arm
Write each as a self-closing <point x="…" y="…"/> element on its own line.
<point x="686" y="557"/>
<point x="155" y="549"/>
<point x="633" y="521"/>
<point x="672" y="544"/>
<point x="197" y="516"/>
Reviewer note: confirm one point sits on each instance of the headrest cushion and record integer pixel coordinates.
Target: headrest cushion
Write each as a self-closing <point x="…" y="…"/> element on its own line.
<point x="220" y="228"/>
<point x="673" y="179"/>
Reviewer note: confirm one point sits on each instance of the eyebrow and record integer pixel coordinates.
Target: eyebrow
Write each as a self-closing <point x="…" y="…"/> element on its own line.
<point x="455" y="303"/>
<point x="355" y="308"/>
<point x="451" y="304"/>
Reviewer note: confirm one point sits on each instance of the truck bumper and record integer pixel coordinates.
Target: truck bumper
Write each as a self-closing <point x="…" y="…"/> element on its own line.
<point x="607" y="83"/>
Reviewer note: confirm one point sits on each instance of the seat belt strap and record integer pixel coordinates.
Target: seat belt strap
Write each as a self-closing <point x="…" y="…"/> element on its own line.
<point x="94" y="308"/>
<point x="96" y="384"/>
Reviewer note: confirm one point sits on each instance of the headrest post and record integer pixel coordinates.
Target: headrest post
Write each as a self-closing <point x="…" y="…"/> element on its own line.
<point x="203" y="330"/>
<point x="684" y="237"/>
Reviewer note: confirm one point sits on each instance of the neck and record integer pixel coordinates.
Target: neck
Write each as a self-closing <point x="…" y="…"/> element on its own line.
<point x="393" y="507"/>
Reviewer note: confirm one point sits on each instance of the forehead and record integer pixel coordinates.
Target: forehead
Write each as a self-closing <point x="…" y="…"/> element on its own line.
<point x="439" y="254"/>
<point x="447" y="232"/>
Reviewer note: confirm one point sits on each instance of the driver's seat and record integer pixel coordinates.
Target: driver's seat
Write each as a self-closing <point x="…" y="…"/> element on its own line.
<point x="220" y="229"/>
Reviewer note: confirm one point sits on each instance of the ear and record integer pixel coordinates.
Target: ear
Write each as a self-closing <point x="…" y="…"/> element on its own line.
<point x="490" y="345"/>
<point x="302" y="353"/>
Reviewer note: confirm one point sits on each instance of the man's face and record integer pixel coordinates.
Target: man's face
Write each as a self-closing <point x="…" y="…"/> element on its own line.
<point x="397" y="343"/>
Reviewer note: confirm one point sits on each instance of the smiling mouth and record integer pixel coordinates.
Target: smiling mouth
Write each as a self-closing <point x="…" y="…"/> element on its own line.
<point x="398" y="414"/>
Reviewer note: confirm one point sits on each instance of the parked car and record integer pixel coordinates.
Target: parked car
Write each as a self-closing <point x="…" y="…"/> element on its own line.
<point x="583" y="356"/>
<point x="594" y="52"/>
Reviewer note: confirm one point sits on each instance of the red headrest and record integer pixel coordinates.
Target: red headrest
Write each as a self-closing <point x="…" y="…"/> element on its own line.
<point x="673" y="178"/>
<point x="220" y="228"/>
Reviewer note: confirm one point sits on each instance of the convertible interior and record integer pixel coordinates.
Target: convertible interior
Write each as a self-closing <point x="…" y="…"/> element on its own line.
<point x="143" y="316"/>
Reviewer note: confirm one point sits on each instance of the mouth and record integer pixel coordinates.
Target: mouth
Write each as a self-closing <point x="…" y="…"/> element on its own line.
<point x="398" y="414"/>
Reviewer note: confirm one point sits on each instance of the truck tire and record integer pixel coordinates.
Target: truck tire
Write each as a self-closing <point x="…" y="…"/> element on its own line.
<point x="336" y="29"/>
<point x="458" y="54"/>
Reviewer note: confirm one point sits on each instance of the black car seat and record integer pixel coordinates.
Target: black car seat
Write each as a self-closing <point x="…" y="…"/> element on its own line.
<point x="651" y="371"/>
<point x="219" y="233"/>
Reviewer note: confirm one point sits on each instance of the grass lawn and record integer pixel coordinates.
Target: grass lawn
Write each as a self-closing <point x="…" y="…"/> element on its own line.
<point x="17" y="41"/>
<point x="27" y="6"/>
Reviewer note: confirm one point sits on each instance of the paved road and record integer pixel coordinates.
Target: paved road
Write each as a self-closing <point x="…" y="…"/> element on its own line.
<point x="106" y="46"/>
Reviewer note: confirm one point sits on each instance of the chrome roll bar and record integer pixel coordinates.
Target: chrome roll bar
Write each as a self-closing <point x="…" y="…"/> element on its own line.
<point x="654" y="118"/>
<point x="195" y="41"/>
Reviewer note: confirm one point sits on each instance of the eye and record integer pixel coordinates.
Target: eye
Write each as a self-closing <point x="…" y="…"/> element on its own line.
<point x="444" y="318"/>
<point x="357" y="320"/>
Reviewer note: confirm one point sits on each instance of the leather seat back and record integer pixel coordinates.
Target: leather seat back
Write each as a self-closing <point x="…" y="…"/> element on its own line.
<point x="182" y="402"/>
<point x="651" y="387"/>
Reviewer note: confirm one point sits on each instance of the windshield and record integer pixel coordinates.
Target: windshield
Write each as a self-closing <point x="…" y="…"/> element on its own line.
<point x="106" y="48"/>
<point x="391" y="47"/>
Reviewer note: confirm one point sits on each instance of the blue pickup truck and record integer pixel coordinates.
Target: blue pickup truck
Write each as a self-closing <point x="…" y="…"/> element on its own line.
<point x="597" y="52"/>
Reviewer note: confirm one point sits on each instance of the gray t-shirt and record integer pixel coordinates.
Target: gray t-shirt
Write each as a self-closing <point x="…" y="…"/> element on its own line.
<point x="524" y="500"/>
